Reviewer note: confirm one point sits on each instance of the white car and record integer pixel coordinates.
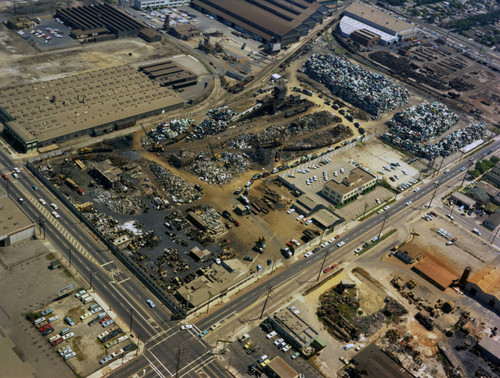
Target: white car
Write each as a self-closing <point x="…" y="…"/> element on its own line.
<point x="186" y="326"/>
<point x="290" y="211"/>
<point x="408" y="203"/>
<point x="300" y="217"/>
<point x="21" y="200"/>
<point x="278" y="342"/>
<point x="341" y="244"/>
<point x="446" y="171"/>
<point x="357" y="250"/>
<point x="55" y="215"/>
<point x="17" y="170"/>
<point x="54" y="206"/>
<point x="271" y="335"/>
<point x="308" y="254"/>
<point x="15" y="175"/>
<point x="105" y="359"/>
<point x="286" y="348"/>
<point x="416" y="189"/>
<point x="42" y="201"/>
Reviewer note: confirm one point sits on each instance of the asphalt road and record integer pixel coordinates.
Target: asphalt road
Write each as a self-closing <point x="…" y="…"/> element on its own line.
<point x="118" y="287"/>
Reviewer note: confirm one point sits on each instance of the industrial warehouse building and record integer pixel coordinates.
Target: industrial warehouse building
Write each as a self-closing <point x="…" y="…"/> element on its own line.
<point x="99" y="22"/>
<point x="363" y="17"/>
<point x="153" y="4"/>
<point x="91" y="103"/>
<point x="279" y="21"/>
<point x="15" y="226"/>
<point x="484" y="286"/>
<point x="339" y="190"/>
<point x="169" y="73"/>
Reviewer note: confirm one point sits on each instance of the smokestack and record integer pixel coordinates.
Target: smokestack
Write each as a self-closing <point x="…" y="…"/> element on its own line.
<point x="465" y="276"/>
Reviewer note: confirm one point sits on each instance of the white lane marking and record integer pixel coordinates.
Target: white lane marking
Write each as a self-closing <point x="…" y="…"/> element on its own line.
<point x="199" y="366"/>
<point x="156" y="358"/>
<point x="109" y="262"/>
<point x="154" y="337"/>
<point x="165" y="339"/>
<point x="122" y="281"/>
<point x="154" y="367"/>
<point x="192" y="362"/>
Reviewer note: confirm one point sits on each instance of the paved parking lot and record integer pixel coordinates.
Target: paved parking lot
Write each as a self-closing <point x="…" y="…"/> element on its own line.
<point x="242" y="358"/>
<point x="49" y="28"/>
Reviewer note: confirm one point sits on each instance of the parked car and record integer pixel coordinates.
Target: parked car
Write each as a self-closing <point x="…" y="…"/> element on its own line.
<point x="150" y="303"/>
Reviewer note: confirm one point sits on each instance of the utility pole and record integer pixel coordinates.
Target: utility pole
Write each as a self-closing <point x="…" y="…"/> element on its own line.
<point x="364" y="212"/>
<point x="90" y="278"/>
<point x="434" y="194"/>
<point x="70" y="255"/>
<point x="383" y="224"/>
<point x="494" y="236"/>
<point x="178" y="362"/>
<point x="323" y="263"/>
<point x="209" y="299"/>
<point x="269" y="291"/>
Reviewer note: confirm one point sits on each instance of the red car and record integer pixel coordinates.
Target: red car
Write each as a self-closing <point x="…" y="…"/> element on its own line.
<point x="45" y="327"/>
<point x="338" y="236"/>
<point x="326" y="270"/>
<point x="57" y="341"/>
<point x="80" y="192"/>
<point x="5" y="176"/>
<point x="104" y="319"/>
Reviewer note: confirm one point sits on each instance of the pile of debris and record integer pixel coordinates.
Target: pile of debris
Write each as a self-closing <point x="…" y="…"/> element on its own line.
<point x="169" y="130"/>
<point x="206" y="218"/>
<point x="413" y="127"/>
<point x="130" y="205"/>
<point x="364" y="89"/>
<point x="221" y="169"/>
<point x="273" y="135"/>
<point x="106" y="224"/>
<point x="217" y="122"/>
<point x="176" y="187"/>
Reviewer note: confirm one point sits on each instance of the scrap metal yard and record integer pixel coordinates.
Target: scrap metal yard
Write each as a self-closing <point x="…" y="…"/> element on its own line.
<point x="226" y="202"/>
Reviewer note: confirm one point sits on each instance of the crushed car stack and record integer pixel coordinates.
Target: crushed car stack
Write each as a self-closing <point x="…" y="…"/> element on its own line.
<point x="364" y="89"/>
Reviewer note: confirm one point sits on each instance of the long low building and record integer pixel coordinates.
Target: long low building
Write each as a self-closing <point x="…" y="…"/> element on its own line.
<point x="484" y="286"/>
<point x="340" y="190"/>
<point x="280" y="21"/>
<point x="293" y="328"/>
<point x="90" y="103"/>
<point x="15" y="225"/>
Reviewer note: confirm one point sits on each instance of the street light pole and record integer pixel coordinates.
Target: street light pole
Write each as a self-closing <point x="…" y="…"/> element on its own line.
<point x="131" y="318"/>
<point x="70" y="255"/>
<point x="383" y="223"/>
<point x="269" y="291"/>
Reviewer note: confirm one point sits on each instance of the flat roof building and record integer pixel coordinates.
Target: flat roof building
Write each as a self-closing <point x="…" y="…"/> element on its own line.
<point x="490" y="349"/>
<point x="184" y="31"/>
<point x="380" y="20"/>
<point x="484" y="286"/>
<point x="339" y="191"/>
<point x="372" y="362"/>
<point x="461" y="199"/>
<point x="90" y="19"/>
<point x="266" y="20"/>
<point x="169" y="73"/>
<point x="435" y="273"/>
<point x="15" y="225"/>
<point x="293" y="328"/>
<point x="280" y="369"/>
<point x="365" y="37"/>
<point x="153" y="4"/>
<point x="93" y="102"/>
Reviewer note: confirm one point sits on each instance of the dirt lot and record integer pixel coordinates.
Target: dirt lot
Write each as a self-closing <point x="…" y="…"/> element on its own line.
<point x="20" y="64"/>
<point x="27" y="286"/>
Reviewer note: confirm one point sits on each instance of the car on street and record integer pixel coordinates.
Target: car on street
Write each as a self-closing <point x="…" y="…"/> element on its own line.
<point x="203" y="333"/>
<point x="15" y="175"/>
<point x="150" y="303"/>
<point x="42" y="201"/>
<point x="21" y="200"/>
<point x="54" y="206"/>
<point x="357" y="250"/>
<point x="463" y="169"/>
<point x="80" y="192"/>
<point x="35" y="188"/>
<point x="55" y="215"/>
<point x="446" y="171"/>
<point x="416" y="189"/>
<point x="186" y="326"/>
<point x="308" y="254"/>
<point x="17" y="170"/>
<point x="5" y="176"/>
<point x="105" y="359"/>
<point x="340" y="244"/>
<point x="408" y="203"/>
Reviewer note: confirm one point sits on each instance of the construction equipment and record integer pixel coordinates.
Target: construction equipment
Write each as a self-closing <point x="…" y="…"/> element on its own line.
<point x="215" y="155"/>
<point x="85" y="150"/>
<point x="155" y="147"/>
